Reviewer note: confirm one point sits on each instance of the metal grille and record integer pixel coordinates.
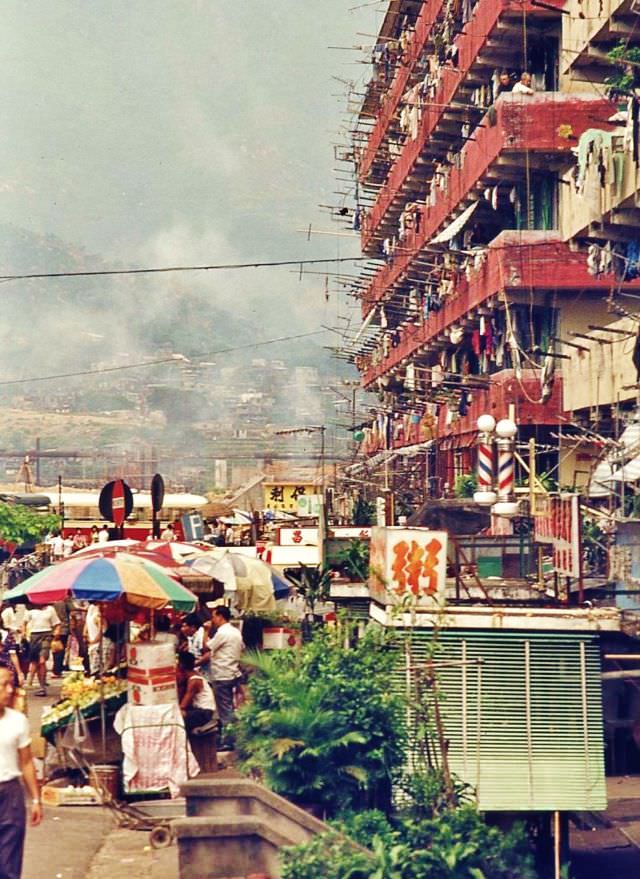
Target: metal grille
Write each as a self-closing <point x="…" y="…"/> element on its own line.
<point x="525" y="724"/>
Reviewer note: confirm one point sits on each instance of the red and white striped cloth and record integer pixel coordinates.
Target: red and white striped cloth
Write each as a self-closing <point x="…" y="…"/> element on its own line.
<point x="156" y="751"/>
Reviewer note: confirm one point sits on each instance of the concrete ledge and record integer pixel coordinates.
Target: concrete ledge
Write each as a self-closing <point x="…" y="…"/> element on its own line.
<point x="210" y="827"/>
<point x="216" y="848"/>
<point x="230" y="792"/>
<point x="235" y="826"/>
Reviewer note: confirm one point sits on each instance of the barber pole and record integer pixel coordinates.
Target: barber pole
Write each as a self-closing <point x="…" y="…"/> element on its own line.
<point x="485" y="495"/>
<point x="505" y="470"/>
<point x="507" y="506"/>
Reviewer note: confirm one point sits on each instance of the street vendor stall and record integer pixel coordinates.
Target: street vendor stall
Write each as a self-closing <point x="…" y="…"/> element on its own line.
<point x="142" y="708"/>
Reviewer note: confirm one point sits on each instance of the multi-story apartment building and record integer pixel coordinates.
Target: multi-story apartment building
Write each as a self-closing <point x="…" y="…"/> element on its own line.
<point x="498" y="202"/>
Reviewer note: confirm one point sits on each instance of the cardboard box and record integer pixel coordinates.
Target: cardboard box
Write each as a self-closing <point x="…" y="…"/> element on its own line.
<point x="151" y="656"/>
<point x="151" y="674"/>
<point x="279" y="637"/>
<point x="38" y="746"/>
<point x="152" y="694"/>
<point x="60" y="793"/>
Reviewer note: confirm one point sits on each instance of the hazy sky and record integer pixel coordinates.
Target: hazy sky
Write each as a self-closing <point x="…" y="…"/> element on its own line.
<point x="150" y="132"/>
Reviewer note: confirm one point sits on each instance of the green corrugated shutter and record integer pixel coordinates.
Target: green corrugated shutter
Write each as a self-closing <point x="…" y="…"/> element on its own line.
<point x="356" y="608"/>
<point x="524" y="726"/>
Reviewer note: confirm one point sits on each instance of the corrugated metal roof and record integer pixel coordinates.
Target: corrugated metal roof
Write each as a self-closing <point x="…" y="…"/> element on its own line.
<point x="525" y="723"/>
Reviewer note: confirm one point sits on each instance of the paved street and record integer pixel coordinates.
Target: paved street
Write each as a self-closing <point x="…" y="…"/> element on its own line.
<point x="75" y="842"/>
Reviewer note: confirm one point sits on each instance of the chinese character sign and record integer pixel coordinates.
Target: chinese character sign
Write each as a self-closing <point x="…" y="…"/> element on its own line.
<point x="285" y="496"/>
<point x="559" y="523"/>
<point x="408" y="562"/>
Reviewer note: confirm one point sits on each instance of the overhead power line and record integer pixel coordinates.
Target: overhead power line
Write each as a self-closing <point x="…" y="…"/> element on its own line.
<point x="167" y="269"/>
<point x="174" y="358"/>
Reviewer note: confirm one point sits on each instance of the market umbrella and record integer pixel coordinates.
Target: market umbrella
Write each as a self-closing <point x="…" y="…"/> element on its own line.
<point x="229" y="567"/>
<point x="134" y="550"/>
<point x="173" y="549"/>
<point x="106" y="579"/>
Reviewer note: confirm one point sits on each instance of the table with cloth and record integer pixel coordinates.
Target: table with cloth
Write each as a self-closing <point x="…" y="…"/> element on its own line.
<point x="157" y="754"/>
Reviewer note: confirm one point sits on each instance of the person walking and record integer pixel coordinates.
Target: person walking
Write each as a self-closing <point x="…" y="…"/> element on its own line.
<point x="41" y="622"/>
<point x="16" y="763"/>
<point x="226" y="648"/>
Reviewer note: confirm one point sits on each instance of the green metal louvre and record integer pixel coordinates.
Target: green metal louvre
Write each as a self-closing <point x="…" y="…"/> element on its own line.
<point x="355" y="608"/>
<point x="524" y="727"/>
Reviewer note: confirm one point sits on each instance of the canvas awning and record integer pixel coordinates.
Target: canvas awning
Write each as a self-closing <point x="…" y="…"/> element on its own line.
<point x="456" y="225"/>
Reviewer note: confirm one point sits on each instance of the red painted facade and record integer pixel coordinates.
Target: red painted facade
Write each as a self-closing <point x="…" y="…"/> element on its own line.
<point x="535" y="123"/>
<point x="539" y="129"/>
<point x="515" y="261"/>
<point x="486" y="16"/>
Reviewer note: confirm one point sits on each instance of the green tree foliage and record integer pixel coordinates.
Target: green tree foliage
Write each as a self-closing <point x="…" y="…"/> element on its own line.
<point x="626" y="76"/>
<point x="454" y="844"/>
<point x="321" y="725"/>
<point x="465" y="485"/>
<point x="354" y="559"/>
<point x="363" y="512"/>
<point x="20" y="524"/>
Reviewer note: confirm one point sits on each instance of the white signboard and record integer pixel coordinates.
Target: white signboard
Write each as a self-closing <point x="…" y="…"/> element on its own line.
<point x="309" y="504"/>
<point x="408" y="562"/>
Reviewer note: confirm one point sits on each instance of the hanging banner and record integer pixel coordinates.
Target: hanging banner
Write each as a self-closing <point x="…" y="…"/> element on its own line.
<point x="408" y="562"/>
<point x="559" y="524"/>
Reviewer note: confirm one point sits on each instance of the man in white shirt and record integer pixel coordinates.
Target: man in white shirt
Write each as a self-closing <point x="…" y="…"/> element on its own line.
<point x="103" y="535"/>
<point x="41" y="622"/>
<point x="168" y="533"/>
<point x="57" y="546"/>
<point x="13" y="620"/>
<point x="226" y="649"/>
<point x="15" y="763"/>
<point x="523" y="86"/>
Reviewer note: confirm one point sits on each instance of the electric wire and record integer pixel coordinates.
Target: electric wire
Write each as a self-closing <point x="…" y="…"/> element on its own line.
<point x="174" y="359"/>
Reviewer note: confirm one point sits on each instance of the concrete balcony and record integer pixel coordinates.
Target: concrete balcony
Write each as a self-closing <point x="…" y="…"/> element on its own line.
<point x="505" y="390"/>
<point x="428" y="16"/>
<point x="481" y="47"/>
<point x="516" y="262"/>
<point x="528" y="132"/>
<point x="589" y="29"/>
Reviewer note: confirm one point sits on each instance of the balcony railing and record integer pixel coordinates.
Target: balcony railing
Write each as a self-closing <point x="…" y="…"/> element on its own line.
<point x="515" y="261"/>
<point x="425" y="21"/>
<point x="547" y="122"/>
<point x="478" y="31"/>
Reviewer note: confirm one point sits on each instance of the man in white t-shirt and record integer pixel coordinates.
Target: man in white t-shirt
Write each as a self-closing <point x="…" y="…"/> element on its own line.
<point x="41" y="622"/>
<point x="15" y="763"/>
<point x="226" y="648"/>
<point x="103" y="535"/>
<point x="57" y="546"/>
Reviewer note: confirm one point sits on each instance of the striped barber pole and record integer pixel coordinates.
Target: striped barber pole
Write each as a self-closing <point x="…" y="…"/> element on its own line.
<point x="485" y="466"/>
<point x="505" y="473"/>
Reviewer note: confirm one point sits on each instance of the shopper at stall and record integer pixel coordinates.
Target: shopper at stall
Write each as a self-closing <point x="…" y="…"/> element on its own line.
<point x="196" y="699"/>
<point x="16" y="764"/>
<point x="94" y="627"/>
<point x="226" y="648"/>
<point x="41" y="621"/>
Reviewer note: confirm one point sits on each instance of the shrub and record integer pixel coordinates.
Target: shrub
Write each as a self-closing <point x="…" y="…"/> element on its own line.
<point x="321" y="725"/>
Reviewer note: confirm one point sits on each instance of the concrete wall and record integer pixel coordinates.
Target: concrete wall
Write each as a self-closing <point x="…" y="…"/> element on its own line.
<point x="601" y="375"/>
<point x="585" y="19"/>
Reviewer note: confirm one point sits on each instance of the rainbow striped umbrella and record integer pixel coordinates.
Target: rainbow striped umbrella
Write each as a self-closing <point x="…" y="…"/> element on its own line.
<point x="138" y="582"/>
